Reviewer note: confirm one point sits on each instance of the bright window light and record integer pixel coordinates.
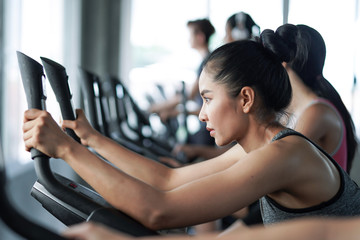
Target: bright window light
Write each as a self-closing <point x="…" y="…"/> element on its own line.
<point x="34" y="27"/>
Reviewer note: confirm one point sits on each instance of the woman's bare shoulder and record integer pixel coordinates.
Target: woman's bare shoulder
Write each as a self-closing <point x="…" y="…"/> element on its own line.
<point x="285" y="153"/>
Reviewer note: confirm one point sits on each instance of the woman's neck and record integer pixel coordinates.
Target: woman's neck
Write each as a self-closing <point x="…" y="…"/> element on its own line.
<point x="259" y="135"/>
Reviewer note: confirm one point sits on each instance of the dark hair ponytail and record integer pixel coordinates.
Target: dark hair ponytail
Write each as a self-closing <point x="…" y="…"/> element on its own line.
<point x="274" y="43"/>
<point x="309" y="52"/>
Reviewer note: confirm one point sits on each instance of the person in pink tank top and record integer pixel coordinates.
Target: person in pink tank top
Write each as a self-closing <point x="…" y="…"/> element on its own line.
<point x="339" y="150"/>
<point x="316" y="109"/>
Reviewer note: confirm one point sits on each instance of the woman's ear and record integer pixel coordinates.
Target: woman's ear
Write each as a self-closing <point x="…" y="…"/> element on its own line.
<point x="247" y="98"/>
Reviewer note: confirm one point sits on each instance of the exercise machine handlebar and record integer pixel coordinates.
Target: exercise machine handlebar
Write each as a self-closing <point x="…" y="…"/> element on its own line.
<point x="58" y="79"/>
<point x="32" y="75"/>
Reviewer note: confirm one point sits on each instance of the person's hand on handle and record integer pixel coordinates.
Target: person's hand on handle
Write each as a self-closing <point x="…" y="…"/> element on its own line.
<point x="81" y="127"/>
<point x="40" y="131"/>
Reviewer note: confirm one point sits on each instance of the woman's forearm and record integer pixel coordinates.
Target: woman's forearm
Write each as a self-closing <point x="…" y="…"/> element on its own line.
<point x="157" y="174"/>
<point x="154" y="208"/>
<point x="150" y="206"/>
<point x="135" y="165"/>
<point x="128" y="194"/>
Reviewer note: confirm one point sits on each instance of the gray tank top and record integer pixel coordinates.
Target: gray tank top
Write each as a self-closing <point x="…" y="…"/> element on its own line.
<point x="345" y="203"/>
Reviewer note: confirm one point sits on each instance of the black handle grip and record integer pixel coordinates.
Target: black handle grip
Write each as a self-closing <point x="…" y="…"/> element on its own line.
<point x="58" y="79"/>
<point x="32" y="77"/>
<point x="31" y="74"/>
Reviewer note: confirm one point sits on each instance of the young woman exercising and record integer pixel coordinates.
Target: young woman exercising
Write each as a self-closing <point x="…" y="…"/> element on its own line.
<point x="245" y="88"/>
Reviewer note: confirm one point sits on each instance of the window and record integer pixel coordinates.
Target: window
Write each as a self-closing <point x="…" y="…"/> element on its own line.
<point x="161" y="53"/>
<point x="159" y="37"/>
<point x="34" y="27"/>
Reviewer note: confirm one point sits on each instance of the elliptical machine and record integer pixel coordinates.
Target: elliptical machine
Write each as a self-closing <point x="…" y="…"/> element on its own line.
<point x="68" y="201"/>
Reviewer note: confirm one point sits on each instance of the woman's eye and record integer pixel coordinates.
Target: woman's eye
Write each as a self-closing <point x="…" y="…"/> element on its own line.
<point x="206" y="99"/>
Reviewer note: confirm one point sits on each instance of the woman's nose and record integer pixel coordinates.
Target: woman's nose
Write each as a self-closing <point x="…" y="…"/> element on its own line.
<point x="202" y="115"/>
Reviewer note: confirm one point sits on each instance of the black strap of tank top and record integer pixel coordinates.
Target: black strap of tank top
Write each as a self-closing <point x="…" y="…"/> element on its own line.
<point x="288" y="132"/>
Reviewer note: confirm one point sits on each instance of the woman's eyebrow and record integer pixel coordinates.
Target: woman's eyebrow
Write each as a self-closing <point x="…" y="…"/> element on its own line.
<point x="204" y="92"/>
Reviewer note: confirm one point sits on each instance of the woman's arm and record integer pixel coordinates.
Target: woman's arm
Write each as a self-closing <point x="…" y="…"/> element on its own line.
<point x="124" y="192"/>
<point x="146" y="203"/>
<point x="201" y="151"/>
<point x="197" y="201"/>
<point x="149" y="171"/>
<point x="304" y="229"/>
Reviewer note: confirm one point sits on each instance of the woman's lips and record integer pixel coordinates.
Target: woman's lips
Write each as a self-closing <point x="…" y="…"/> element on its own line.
<point x="212" y="131"/>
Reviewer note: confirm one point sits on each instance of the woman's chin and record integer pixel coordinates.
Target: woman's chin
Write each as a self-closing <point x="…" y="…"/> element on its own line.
<point x="222" y="142"/>
<point x="219" y="142"/>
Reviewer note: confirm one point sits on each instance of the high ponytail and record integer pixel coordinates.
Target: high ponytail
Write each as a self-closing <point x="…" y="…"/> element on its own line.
<point x="275" y="44"/>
